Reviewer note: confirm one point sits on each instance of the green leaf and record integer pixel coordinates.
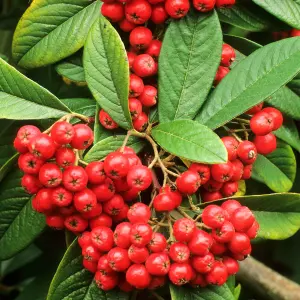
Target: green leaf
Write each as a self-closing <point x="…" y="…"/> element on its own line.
<point x="287" y="11"/>
<point x="243" y="45"/>
<point x="19" y="223"/>
<point x="278" y="169"/>
<point x="294" y="85"/>
<point x="100" y="133"/>
<point x="72" y="281"/>
<point x="23" y="99"/>
<point x="190" y="140"/>
<point x="108" y="80"/>
<point x="252" y="80"/>
<point x="188" y="63"/>
<point x="72" y="69"/>
<point x="112" y="143"/>
<point x="51" y="30"/>
<point x="208" y="293"/>
<point x="83" y="106"/>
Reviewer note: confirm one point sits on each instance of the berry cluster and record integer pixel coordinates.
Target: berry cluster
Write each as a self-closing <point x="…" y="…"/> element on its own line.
<point x="136" y="256"/>
<point x="279" y="35"/>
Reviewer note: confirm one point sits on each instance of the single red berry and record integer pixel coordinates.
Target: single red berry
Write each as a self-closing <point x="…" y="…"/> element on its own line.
<point x="133" y="160"/>
<point x="102" y="238"/>
<point x="67" y="210"/>
<point x="231" y="145"/>
<point x="138" y="255"/>
<point x="30" y="164"/>
<point x="122" y="215"/>
<point x="247" y="152"/>
<point x="85" y="200"/>
<point x="105" y="190"/>
<point x="62" y="132"/>
<point x="228" y="55"/>
<point x="231" y="265"/>
<point x="179" y="252"/>
<point x="76" y="223"/>
<point x="221" y="73"/>
<point x="136" y="85"/>
<point x="213" y="216"/>
<point x="154" y="2"/>
<point x="262" y="123"/>
<point x="124" y="285"/>
<point x="158" y="264"/>
<point x="122" y="235"/>
<point x="55" y="222"/>
<point x="164" y="202"/>
<point x="102" y="220"/>
<point x="184" y="229"/>
<point x="126" y="26"/>
<point x="121" y="185"/>
<point x="106" y="282"/>
<point x="144" y="65"/>
<point x="204" y="6"/>
<point x="239" y="243"/>
<point x="131" y="57"/>
<point x="210" y="196"/>
<point x="113" y="11"/>
<point x="140" y="38"/>
<point x="138" y="276"/>
<point x="158" y="243"/>
<point x="61" y="197"/>
<point x="218" y="248"/>
<point x="42" y="146"/>
<point x="253" y="230"/>
<point x="276" y="115"/>
<point x="90" y="253"/>
<point x="95" y="172"/>
<point x="154" y="49"/>
<point x="89" y="265"/>
<point x="42" y="202"/>
<point x="225" y="3"/>
<point x="265" y="144"/>
<point x="83" y="137"/>
<point x="255" y="109"/>
<point x="294" y="32"/>
<point x="140" y="235"/>
<point x="116" y="165"/>
<point x="247" y="172"/>
<point x="94" y="212"/>
<point x="135" y="107"/>
<point x="176" y="196"/>
<point x="19" y="146"/>
<point x="65" y="157"/>
<point x="138" y="11"/>
<point x="198" y="281"/>
<point x="149" y="96"/>
<point x="188" y="182"/>
<point x="75" y="179"/>
<point x="177" y="8"/>
<point x="140" y="124"/>
<point x="157" y="282"/>
<point x="200" y="243"/>
<point x="224" y="233"/>
<point x="84" y="239"/>
<point x="113" y="206"/>
<point x="203" y="264"/>
<point x="106" y="121"/>
<point x="238" y="170"/>
<point x="237" y="256"/>
<point x="118" y="259"/>
<point x="50" y="175"/>
<point x="31" y="184"/>
<point x="242" y="219"/>
<point x="159" y="14"/>
<point x="218" y="274"/>
<point x="25" y="134"/>
<point x="103" y="265"/>
<point x="203" y="171"/>
<point x="130" y="195"/>
<point x="231" y="206"/>
<point x="222" y="172"/>
<point x="139" y="213"/>
<point x="180" y="274"/>
<point x="139" y="177"/>
<point x="229" y="188"/>
<point x="213" y="185"/>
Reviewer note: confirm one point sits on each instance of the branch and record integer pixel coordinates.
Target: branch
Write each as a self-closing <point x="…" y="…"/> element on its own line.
<point x="267" y="282"/>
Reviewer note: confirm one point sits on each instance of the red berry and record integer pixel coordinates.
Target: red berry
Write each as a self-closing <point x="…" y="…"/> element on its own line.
<point x="122" y="235"/>
<point x="262" y="123"/>
<point x="177" y="8"/>
<point x="67" y="210"/>
<point x="159" y="14"/>
<point x="203" y="171"/>
<point x="103" y="265"/>
<point x="138" y="255"/>
<point x="218" y="248"/>
<point x="203" y="264"/>
<point x="42" y="202"/>
<point x="113" y="206"/>
<point x="25" y="134"/>
<point x="135" y="107"/>
<point x="238" y="170"/>
<point x="231" y="206"/>
<point x="95" y="172"/>
<point x="85" y="200"/>
<point x="83" y="137"/>
<point x="158" y="243"/>
<point x="221" y="73"/>
<point x="179" y="252"/>
<point x="231" y="265"/>
<point x="124" y="285"/>
<point x="247" y="172"/>
<point x="140" y="38"/>
<point x="183" y="229"/>
<point x="94" y="212"/>
<point x="113" y="11"/>
<point x="19" y="146"/>
<point x="218" y="274"/>
<point x="222" y="172"/>
<point x="239" y="243"/>
<point x="204" y="5"/>
<point x="106" y="282"/>
<point x="144" y="65"/>
<point x="136" y="85"/>
<point x="105" y="190"/>
<point x="242" y="219"/>
<point x="121" y="185"/>
<point x="198" y="281"/>
<point x="225" y="233"/>
<point x="175" y="195"/>
<point x="154" y="2"/>
<point x="139" y="177"/>
<point x="84" y="239"/>
<point x="255" y="109"/>
<point x="225" y="3"/>
<point x="158" y="264"/>
<point x="76" y="223"/>
<point x="253" y="230"/>
<point x="138" y="276"/>
<point x="213" y="216"/>
<point x="122" y="215"/>
<point x="154" y="49"/>
<point x="265" y="144"/>
<point x="231" y="145"/>
<point x="30" y="184"/>
<point x="200" y="243"/>
<point x="61" y="197"/>
<point x="139" y="213"/>
<point x="130" y="195"/>
<point x="50" y="175"/>
<point x="90" y="253"/>
<point x="102" y="238"/>
<point x="75" y="179"/>
<point x="131" y="57"/>
<point x="247" y="152"/>
<point x="140" y="124"/>
<point x="276" y="115"/>
<point x="133" y="160"/>
<point x="228" y="55"/>
<point x="116" y="165"/>
<point x="118" y="259"/>
<point x="149" y="96"/>
<point x="102" y="220"/>
<point x="106" y="121"/>
<point x="42" y="146"/>
<point x="229" y="188"/>
<point x="138" y="11"/>
<point x="188" y="182"/>
<point x="294" y="32"/>
<point x="55" y="221"/>
<point x="157" y="282"/>
<point x="62" y="133"/>
<point x="163" y="202"/>
<point x="210" y="196"/>
<point x="89" y="265"/>
<point x="30" y="164"/>
<point x="65" y="157"/>
<point x="180" y="274"/>
<point x="140" y="235"/>
<point x="126" y="26"/>
<point x="212" y="185"/>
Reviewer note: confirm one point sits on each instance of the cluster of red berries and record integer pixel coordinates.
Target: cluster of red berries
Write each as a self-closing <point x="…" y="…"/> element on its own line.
<point x="135" y="256"/>
<point x="279" y="35"/>
<point x="130" y="13"/>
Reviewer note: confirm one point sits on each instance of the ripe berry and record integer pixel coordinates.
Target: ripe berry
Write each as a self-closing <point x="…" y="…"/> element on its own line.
<point x="102" y="220"/>
<point x="113" y="206"/>
<point x="138" y="276"/>
<point x="159" y="14"/>
<point x="106" y="282"/>
<point x="83" y="137"/>
<point x="95" y="172"/>
<point x="116" y="165"/>
<point x="247" y="152"/>
<point x="136" y="85"/>
<point x="276" y="115"/>
<point x="200" y="243"/>
<point x="26" y="133"/>
<point x="140" y="124"/>
<point x="84" y="239"/>
<point x="102" y="238"/>
<point x="138" y="11"/>
<point x="94" y="212"/>
<point x="30" y="184"/>
<point x="157" y="282"/>
<point x="85" y="200"/>
<point x="133" y="160"/>
<point x="294" y="32"/>
<point x="61" y="197"/>
<point x="231" y="265"/>
<point x="76" y="223"/>
<point x="238" y="170"/>
<point x="158" y="243"/>
<point x="222" y="172"/>
<point x="265" y="144"/>
<point x="210" y="196"/>
<point x="158" y="264"/>
<point x="103" y="265"/>
<point x="50" y="175"/>
<point x="138" y="255"/>
<point x="90" y="253"/>
<point x="218" y="248"/>
<point x="42" y="202"/>
<point x="139" y="213"/>
<point x="228" y="55"/>
<point x="89" y="265"/>
<point x="139" y="177"/>
<point x="213" y="216"/>
<point x="198" y="281"/>
<point x="239" y="243"/>
<point x="213" y="185"/>
<point x="135" y="107"/>
<point x="55" y="221"/>
<point x="180" y="274"/>
<point x="229" y="188"/>
<point x="144" y="65"/>
<point x="42" y="146"/>
<point x="242" y="219"/>
<point x="176" y="197"/>
<point x="149" y="96"/>
<point x="224" y="3"/>
<point x="188" y="182"/>
<point x="121" y="185"/>
<point x="218" y="274"/>
<point x="253" y="230"/>
<point x="225" y="233"/>
<point x="75" y="179"/>
<point x="183" y="229"/>
<point x="203" y="264"/>
<point x="154" y="49"/>
<point x="177" y="8"/>
<point x="30" y="164"/>
<point x="231" y="145"/>
<point x="179" y="252"/>
<point x="113" y="11"/>
<point x="131" y="57"/>
<point x="203" y="171"/>
<point x="140" y="38"/>
<point x="126" y="26"/>
<point x="262" y="123"/>
<point x="62" y="133"/>
<point x="118" y="259"/>
<point x="204" y="5"/>
<point x="19" y="146"/>
<point x="67" y="210"/>
<point x="106" y="121"/>
<point x="65" y="157"/>
<point x="255" y="109"/>
<point x="130" y="195"/>
<point x="231" y="206"/>
<point x="221" y="73"/>
<point x="247" y="172"/>
<point x="105" y="190"/>
<point x="140" y="234"/>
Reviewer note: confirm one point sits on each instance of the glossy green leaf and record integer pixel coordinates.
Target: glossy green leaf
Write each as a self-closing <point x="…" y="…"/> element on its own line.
<point x="51" y="30"/>
<point x="243" y="45"/>
<point x="286" y="10"/>
<point x="19" y="223"/>
<point x="83" y="106"/>
<point x="252" y="80"/>
<point x="190" y="140"/>
<point x="100" y="133"/>
<point x="72" y="281"/>
<point x="23" y="99"/>
<point x="294" y="85"/>
<point x="278" y="169"/>
<point x="100" y="150"/>
<point x="188" y="63"/>
<point x="208" y="293"/>
<point x="71" y="69"/>
<point x="108" y="80"/>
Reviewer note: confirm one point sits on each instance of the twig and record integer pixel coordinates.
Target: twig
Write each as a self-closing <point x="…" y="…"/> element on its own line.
<point x="82" y="162"/>
<point x="125" y="141"/>
<point x="182" y="212"/>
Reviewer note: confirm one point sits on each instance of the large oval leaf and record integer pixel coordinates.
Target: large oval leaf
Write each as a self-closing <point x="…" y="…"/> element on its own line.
<point x="72" y="281"/>
<point x="110" y="144"/>
<point x="72" y="69"/>
<point x="23" y="99"/>
<point x="107" y="71"/>
<point x="51" y="30"/>
<point x="251" y="81"/>
<point x="190" y="140"/>
<point x="278" y="169"/>
<point x="188" y="62"/>
<point x="286" y="10"/>
<point x="84" y="106"/>
<point x="19" y="223"/>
